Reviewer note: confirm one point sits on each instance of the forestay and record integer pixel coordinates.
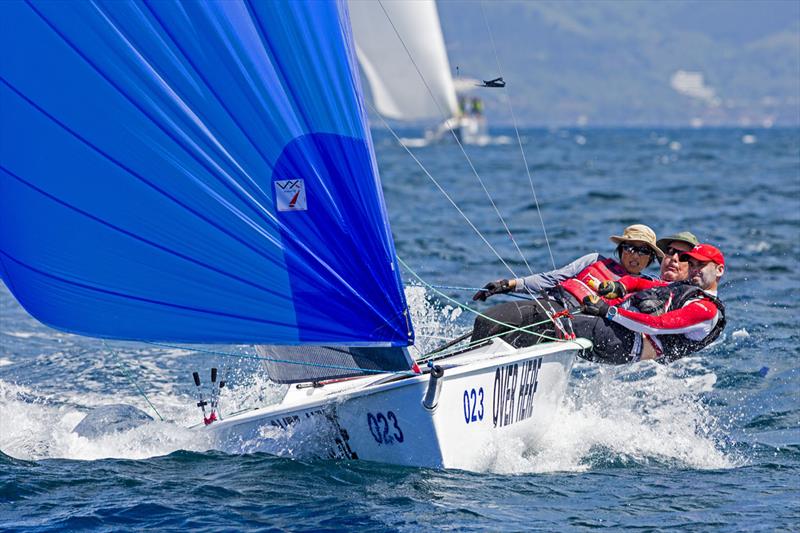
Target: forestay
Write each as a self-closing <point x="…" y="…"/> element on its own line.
<point x="194" y="172"/>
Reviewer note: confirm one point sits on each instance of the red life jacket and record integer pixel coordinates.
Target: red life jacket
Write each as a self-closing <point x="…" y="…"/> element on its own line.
<point x="602" y="270"/>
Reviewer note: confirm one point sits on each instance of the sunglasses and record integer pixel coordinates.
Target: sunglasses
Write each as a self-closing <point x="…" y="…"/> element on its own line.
<point x="680" y="253"/>
<point x="638" y="250"/>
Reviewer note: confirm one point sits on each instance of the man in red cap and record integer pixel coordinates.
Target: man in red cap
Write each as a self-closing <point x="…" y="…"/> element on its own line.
<point x="668" y="320"/>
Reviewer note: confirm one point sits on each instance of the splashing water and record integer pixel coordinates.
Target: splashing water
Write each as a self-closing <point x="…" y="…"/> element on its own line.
<point x="434" y="323"/>
<point x="620" y="417"/>
<point x="625" y="415"/>
<point x="40" y="427"/>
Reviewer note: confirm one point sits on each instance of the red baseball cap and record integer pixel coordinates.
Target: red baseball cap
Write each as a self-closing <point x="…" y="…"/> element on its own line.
<point x="706" y="252"/>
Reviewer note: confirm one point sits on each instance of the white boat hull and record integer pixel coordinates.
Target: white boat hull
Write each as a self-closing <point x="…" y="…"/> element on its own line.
<point x="487" y="395"/>
<point x="469" y="129"/>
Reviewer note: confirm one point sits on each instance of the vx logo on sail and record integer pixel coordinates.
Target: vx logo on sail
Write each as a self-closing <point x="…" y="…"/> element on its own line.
<point x="290" y="195"/>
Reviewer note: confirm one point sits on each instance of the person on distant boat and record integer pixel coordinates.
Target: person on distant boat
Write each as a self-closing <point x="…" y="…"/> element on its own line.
<point x="477" y="107"/>
<point x="655" y="319"/>
<point x="672" y="268"/>
<point x="636" y="249"/>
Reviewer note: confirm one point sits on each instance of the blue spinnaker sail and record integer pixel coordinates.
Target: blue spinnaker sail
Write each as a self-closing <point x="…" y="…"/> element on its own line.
<point x="193" y="172"/>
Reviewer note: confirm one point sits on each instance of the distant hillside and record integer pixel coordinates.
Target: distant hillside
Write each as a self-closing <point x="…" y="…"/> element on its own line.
<point x="631" y="62"/>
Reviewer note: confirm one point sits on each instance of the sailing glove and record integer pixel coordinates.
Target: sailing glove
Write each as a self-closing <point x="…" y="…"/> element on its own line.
<point x="611" y="289"/>
<point x="500" y="286"/>
<point x="595" y="306"/>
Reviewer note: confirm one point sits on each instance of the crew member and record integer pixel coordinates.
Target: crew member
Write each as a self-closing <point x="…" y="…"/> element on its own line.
<point x="565" y="287"/>
<point x="477" y="107"/>
<point x="657" y="320"/>
<point x="636" y="249"/>
<point x="672" y="268"/>
<point x="651" y="320"/>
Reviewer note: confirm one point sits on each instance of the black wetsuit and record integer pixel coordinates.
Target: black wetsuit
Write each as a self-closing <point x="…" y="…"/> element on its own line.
<point x="612" y="343"/>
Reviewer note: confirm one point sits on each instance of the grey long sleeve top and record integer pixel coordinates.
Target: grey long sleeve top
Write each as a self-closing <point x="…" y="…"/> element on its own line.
<point x="547" y="280"/>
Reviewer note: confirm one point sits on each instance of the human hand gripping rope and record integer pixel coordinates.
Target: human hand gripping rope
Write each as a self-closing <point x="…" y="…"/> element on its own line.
<point x="611" y="289"/>
<point x="595" y="306"/>
<point x="501" y="286"/>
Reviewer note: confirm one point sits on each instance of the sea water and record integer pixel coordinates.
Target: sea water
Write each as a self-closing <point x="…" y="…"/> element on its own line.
<point x="709" y="442"/>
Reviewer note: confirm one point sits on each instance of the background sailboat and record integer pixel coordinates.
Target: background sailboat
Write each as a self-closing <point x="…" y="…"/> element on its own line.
<point x="404" y="60"/>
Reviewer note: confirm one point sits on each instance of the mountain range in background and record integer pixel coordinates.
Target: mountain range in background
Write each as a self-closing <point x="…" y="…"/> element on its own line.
<point x="631" y="63"/>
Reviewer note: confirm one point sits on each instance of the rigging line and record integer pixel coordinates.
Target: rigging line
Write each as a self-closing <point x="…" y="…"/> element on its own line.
<point x="461" y="146"/>
<point x="511" y="327"/>
<point x="529" y="296"/>
<point x="527" y="170"/>
<point x="134" y="383"/>
<point x="441" y="189"/>
<point x="285" y="361"/>
<point x="441" y="112"/>
<point x="461" y="212"/>
<point x="519" y="138"/>
<point x="436" y="355"/>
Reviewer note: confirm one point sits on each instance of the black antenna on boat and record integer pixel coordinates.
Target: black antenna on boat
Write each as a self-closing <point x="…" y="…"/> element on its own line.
<point x="201" y="403"/>
<point x="215" y="392"/>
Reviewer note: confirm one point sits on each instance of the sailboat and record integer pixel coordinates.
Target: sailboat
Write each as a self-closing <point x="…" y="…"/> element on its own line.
<point x="401" y="50"/>
<point x="203" y="173"/>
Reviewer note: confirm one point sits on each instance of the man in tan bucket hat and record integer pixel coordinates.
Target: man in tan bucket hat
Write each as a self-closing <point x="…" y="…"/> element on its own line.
<point x="636" y="249"/>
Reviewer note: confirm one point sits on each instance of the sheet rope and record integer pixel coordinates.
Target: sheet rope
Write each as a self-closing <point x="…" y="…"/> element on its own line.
<point x="478" y="313"/>
<point x="444" y="116"/>
<point x="275" y="360"/>
<point x="127" y="375"/>
<point x="519" y="138"/>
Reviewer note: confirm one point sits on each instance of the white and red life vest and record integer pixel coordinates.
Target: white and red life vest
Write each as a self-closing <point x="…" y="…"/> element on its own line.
<point x="602" y="270"/>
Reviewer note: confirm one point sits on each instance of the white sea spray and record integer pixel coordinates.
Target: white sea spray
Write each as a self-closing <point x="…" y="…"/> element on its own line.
<point x="634" y="414"/>
<point x="434" y="322"/>
<point x="40" y="427"/>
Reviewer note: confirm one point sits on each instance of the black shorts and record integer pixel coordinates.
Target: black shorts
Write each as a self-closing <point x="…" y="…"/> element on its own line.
<point x="613" y="344"/>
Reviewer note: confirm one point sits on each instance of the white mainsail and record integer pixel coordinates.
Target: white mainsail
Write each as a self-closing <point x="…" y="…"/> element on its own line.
<point x="397" y="89"/>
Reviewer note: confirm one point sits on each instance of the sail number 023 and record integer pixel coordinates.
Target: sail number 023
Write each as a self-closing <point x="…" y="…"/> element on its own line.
<point x="473" y="405"/>
<point x="384" y="428"/>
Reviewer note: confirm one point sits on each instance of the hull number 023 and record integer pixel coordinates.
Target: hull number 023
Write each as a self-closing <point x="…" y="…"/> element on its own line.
<point x="385" y="428"/>
<point x="473" y="405"/>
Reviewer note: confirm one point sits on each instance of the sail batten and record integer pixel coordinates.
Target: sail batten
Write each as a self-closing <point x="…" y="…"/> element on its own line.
<point x="194" y="172"/>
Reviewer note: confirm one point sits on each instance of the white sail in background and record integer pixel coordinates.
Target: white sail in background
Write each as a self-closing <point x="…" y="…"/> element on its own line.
<point x="397" y="90"/>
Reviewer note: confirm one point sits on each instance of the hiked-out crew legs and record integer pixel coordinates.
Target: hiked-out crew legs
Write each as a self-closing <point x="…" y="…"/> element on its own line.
<point x="613" y="343"/>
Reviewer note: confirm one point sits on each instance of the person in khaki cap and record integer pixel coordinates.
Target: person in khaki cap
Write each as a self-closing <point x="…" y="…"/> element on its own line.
<point x="636" y="249"/>
<point x="673" y="266"/>
<point x="566" y="286"/>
